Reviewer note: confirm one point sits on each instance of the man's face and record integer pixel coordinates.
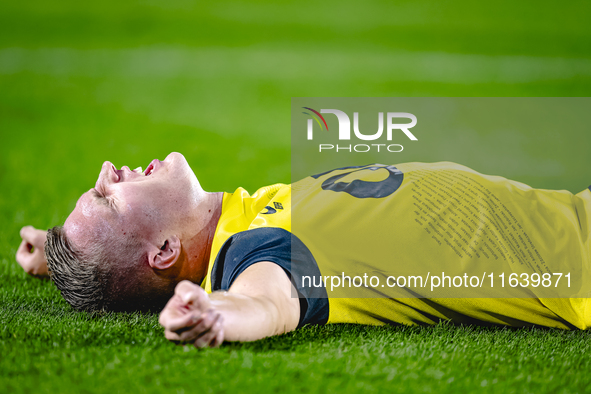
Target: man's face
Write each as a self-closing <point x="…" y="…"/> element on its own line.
<point x="127" y="203"/>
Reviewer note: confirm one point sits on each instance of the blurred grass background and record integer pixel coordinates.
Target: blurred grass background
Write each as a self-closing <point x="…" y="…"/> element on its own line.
<point x="81" y="83"/>
<point x="84" y="82"/>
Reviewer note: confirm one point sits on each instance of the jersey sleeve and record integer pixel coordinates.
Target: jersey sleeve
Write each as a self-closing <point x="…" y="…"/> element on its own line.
<point x="286" y="250"/>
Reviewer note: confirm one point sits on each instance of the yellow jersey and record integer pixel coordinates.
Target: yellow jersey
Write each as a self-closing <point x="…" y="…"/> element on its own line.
<point x="416" y="243"/>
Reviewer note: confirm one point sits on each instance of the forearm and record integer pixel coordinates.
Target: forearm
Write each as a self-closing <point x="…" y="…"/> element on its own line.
<point x="247" y="318"/>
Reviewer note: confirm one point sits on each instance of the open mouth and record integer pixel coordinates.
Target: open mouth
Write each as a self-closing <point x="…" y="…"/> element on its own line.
<point x="149" y="170"/>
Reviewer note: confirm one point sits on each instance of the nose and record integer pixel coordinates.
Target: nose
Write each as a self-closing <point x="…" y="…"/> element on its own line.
<point x="107" y="175"/>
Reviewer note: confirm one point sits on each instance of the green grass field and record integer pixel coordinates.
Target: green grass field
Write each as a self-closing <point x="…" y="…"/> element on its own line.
<point x="83" y="83"/>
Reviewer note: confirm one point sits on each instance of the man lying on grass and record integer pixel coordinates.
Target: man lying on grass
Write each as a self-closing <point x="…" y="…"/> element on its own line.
<point x="412" y="244"/>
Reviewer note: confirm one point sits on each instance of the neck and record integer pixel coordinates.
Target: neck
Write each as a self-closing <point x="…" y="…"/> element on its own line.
<point x="197" y="247"/>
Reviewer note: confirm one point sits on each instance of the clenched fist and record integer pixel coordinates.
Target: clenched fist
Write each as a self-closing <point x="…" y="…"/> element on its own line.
<point x="189" y="317"/>
<point x="30" y="254"/>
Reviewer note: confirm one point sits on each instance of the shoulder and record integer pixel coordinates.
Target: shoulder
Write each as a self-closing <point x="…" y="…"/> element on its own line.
<point x="245" y="248"/>
<point x="279" y="246"/>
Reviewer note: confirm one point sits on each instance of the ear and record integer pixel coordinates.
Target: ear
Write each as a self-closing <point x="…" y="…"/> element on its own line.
<point x="167" y="255"/>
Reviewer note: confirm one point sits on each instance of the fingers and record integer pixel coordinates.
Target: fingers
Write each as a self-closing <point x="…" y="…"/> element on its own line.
<point x="172" y="336"/>
<point x="188" y="291"/>
<point x="174" y="308"/>
<point x="213" y="338"/>
<point x="192" y="296"/>
<point x="181" y="323"/>
<point x="202" y="330"/>
<point x="208" y="331"/>
<point x="26" y="231"/>
<point x="24" y="255"/>
<point x="184" y="286"/>
<point x="206" y="326"/>
<point x="219" y="339"/>
<point x="33" y="236"/>
<point x="28" y="251"/>
<point x="24" y="248"/>
<point x="33" y="263"/>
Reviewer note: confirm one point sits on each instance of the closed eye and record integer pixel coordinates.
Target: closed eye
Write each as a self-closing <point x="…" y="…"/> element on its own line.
<point x="101" y="196"/>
